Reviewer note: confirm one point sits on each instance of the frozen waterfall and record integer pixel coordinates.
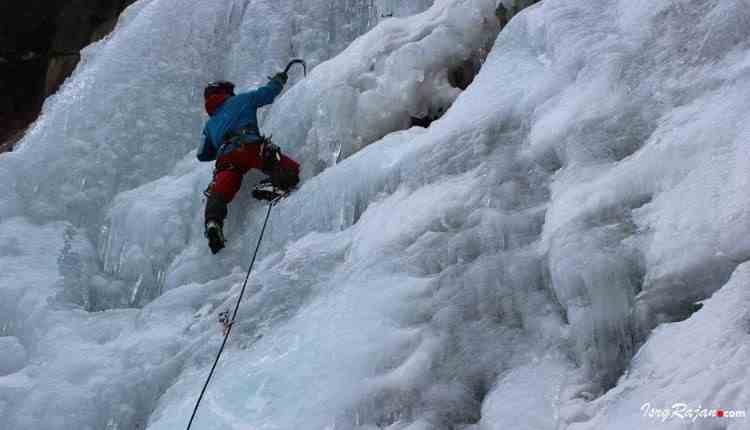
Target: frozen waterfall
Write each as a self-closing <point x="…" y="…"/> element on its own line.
<point x="562" y="249"/>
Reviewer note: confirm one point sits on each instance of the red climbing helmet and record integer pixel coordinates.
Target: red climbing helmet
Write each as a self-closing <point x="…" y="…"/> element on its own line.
<point x="218" y="87"/>
<point x="215" y="94"/>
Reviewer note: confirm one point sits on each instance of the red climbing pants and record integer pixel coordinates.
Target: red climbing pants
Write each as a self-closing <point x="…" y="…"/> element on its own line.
<point x="232" y="166"/>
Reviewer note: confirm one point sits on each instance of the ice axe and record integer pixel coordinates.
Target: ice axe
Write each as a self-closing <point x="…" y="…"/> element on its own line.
<point x="289" y="66"/>
<point x="297" y="61"/>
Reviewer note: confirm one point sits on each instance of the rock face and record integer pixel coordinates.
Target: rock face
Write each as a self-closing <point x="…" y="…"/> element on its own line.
<point x="517" y="6"/>
<point x="39" y="45"/>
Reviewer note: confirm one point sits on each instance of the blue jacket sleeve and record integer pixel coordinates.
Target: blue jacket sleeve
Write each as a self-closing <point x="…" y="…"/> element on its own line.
<point x="206" y="152"/>
<point x="266" y="94"/>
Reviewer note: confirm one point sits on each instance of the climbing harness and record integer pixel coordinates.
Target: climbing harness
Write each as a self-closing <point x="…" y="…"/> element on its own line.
<point x="224" y="316"/>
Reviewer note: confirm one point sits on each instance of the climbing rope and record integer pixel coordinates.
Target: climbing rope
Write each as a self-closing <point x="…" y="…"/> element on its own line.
<point x="228" y="325"/>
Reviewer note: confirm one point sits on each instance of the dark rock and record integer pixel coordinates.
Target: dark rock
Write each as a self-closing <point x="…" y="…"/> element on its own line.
<point x="519" y="5"/>
<point x="463" y="75"/>
<point x="39" y="45"/>
<point x="426" y="120"/>
<point x="7" y="144"/>
<point x="501" y="13"/>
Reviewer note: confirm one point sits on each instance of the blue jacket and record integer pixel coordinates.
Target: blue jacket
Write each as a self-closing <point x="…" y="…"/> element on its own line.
<point x="236" y="113"/>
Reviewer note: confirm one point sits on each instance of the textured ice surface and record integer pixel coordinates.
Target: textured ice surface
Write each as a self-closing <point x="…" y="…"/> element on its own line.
<point x="531" y="260"/>
<point x="707" y="370"/>
<point x="12" y="355"/>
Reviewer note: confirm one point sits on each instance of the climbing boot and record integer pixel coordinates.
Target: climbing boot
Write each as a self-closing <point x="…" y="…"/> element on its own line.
<point x="215" y="236"/>
<point x="216" y="211"/>
<point x="266" y="190"/>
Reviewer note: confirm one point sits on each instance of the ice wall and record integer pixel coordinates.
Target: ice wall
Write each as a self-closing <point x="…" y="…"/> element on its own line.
<point x="504" y="268"/>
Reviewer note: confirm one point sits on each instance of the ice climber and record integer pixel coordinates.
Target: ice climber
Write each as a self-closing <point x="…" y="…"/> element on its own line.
<point x="232" y="138"/>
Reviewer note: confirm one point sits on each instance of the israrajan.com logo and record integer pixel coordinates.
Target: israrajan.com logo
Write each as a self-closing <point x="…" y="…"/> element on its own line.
<point x="682" y="411"/>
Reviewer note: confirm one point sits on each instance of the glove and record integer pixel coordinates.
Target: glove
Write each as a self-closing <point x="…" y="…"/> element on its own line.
<point x="281" y="77"/>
